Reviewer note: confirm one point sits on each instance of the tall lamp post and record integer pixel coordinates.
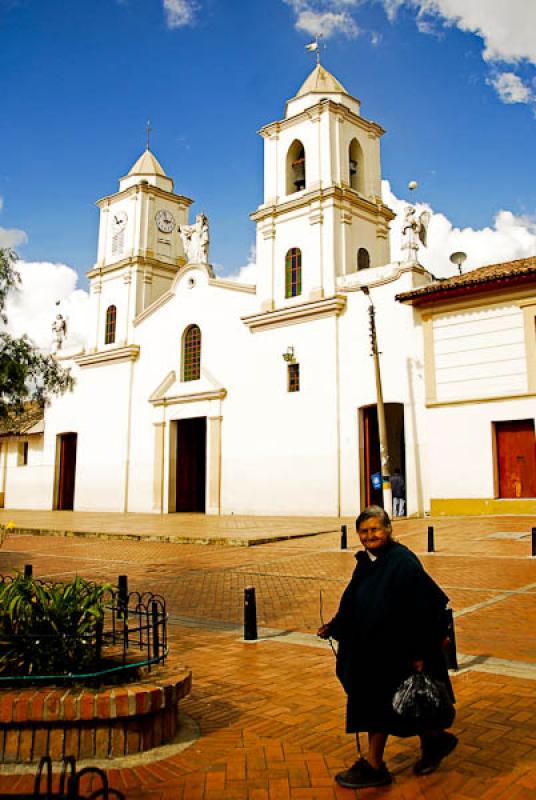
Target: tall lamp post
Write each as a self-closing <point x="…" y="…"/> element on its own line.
<point x="382" y="427"/>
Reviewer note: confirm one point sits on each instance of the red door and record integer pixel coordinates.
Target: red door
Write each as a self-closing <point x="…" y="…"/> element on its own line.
<point x="67" y="471"/>
<point x="516" y="457"/>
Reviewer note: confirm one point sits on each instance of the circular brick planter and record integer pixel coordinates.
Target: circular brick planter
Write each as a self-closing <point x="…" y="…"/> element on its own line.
<point x="91" y="723"/>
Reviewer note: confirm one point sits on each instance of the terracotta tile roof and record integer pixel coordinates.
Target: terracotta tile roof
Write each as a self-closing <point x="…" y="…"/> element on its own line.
<point x="23" y="422"/>
<point x="491" y="276"/>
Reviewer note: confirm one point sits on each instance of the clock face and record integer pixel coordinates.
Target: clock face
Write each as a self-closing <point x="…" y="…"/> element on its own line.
<point x="165" y="221"/>
<point x="119" y="220"/>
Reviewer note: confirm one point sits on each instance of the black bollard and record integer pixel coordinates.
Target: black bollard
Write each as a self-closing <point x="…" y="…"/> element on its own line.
<point x="122" y="607"/>
<point x="431" y="546"/>
<point x="156" y="632"/>
<point x="122" y="584"/>
<point x="534" y="541"/>
<point x="344" y="537"/>
<point x="28" y="570"/>
<point x="250" y="614"/>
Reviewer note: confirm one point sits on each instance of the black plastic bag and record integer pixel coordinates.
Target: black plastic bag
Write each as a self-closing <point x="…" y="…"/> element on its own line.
<point x="422" y="703"/>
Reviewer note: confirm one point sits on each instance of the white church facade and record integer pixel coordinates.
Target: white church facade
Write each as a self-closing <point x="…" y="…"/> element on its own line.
<point x="198" y="393"/>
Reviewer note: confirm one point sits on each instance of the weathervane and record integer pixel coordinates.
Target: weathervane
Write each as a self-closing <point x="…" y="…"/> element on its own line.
<point x="148" y="130"/>
<point x="314" y="47"/>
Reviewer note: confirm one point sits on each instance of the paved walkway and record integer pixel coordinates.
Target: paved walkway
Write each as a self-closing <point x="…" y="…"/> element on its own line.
<point x="199" y="528"/>
<point x="271" y="713"/>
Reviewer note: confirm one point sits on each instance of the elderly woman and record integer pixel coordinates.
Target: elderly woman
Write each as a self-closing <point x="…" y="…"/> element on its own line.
<point x="390" y="623"/>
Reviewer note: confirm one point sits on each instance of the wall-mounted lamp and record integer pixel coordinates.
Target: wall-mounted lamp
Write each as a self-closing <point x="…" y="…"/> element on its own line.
<point x="288" y="356"/>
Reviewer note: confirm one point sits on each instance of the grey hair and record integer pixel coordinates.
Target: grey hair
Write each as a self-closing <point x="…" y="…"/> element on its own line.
<point x="374" y="512"/>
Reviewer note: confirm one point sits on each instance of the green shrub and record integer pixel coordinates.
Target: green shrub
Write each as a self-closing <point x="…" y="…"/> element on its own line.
<point x="49" y="628"/>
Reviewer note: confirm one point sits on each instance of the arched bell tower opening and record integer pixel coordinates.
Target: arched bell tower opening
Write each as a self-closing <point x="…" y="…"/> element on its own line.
<point x="356" y="167"/>
<point x="295" y="167"/>
<point x="363" y="258"/>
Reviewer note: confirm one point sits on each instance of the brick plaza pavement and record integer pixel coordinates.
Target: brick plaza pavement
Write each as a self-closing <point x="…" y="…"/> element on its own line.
<point x="271" y="713"/>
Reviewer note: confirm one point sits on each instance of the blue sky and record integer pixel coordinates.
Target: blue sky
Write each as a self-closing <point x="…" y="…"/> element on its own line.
<point x="452" y="81"/>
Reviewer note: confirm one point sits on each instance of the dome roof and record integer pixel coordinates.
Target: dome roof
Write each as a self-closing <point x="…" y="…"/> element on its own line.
<point x="147" y="164"/>
<point x="320" y="80"/>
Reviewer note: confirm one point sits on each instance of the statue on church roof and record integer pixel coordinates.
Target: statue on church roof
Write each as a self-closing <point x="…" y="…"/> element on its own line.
<point x="59" y="329"/>
<point x="195" y="240"/>
<point x="414" y="232"/>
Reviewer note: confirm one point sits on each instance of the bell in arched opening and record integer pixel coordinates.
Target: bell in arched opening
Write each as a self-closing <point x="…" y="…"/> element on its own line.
<point x="355" y="166"/>
<point x="295" y="167"/>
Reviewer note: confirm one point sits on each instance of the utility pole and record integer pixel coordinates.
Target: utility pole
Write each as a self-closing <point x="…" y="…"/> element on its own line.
<point x="382" y="427"/>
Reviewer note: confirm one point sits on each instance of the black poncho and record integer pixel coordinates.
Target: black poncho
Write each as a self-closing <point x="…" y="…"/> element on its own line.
<point x="390" y="614"/>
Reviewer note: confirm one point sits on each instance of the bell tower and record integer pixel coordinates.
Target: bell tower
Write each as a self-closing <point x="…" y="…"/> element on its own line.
<point x="322" y="215"/>
<point x="139" y="251"/>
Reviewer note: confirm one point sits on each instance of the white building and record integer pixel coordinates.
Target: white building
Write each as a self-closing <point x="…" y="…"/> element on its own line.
<point x="479" y="333"/>
<point x="197" y="393"/>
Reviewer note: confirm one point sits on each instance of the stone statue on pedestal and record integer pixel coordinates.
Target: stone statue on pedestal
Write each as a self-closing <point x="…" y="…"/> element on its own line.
<point x="59" y="329"/>
<point x="414" y="232"/>
<point x="195" y="240"/>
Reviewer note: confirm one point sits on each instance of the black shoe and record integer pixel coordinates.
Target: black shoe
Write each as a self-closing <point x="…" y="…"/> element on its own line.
<point x="362" y="774"/>
<point x="434" y="750"/>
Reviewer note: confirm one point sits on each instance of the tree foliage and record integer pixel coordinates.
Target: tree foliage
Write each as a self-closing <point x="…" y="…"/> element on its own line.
<point x="27" y="375"/>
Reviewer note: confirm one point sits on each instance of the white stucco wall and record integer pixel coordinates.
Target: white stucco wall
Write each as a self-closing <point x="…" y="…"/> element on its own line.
<point x="27" y="486"/>
<point x="225" y="359"/>
<point x="459" y="446"/>
<point x="479" y="352"/>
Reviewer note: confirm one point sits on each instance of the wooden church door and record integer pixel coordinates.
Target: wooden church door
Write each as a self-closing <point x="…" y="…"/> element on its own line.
<point x="191" y="464"/>
<point x="67" y="471"/>
<point x="516" y="458"/>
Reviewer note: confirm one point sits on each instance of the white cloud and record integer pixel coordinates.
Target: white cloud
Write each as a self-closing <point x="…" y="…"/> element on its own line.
<point x="326" y="23"/>
<point x="11" y="237"/>
<point x="510" y="237"/>
<point x="324" y="17"/>
<point x="391" y="7"/>
<point x="511" y="88"/>
<point x="32" y="309"/>
<point x="506" y="28"/>
<point x="247" y="273"/>
<point x="180" y="13"/>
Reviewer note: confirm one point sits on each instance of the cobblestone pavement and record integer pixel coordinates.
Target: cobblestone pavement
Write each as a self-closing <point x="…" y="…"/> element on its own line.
<point x="271" y="713"/>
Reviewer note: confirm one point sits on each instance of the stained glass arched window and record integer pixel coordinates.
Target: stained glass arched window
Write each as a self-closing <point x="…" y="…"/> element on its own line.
<point x="293" y="263"/>
<point x="191" y="354"/>
<point x="109" y="329"/>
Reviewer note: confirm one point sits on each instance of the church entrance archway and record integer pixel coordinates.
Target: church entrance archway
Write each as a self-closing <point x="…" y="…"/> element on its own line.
<point x="370" y="449"/>
<point x="66" y="471"/>
<point x="190" y="464"/>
